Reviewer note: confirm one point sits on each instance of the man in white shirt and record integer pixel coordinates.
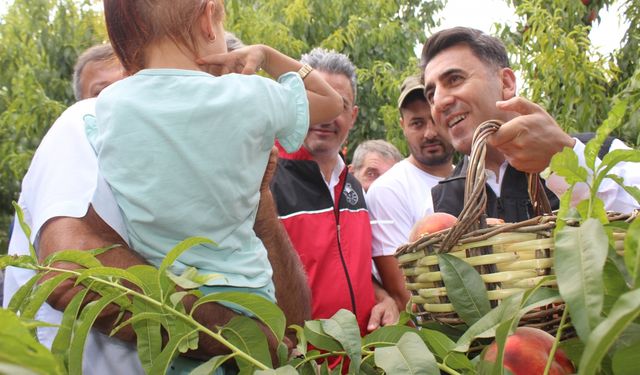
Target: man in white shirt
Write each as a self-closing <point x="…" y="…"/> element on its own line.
<point x="401" y="196"/>
<point x="68" y="205"/>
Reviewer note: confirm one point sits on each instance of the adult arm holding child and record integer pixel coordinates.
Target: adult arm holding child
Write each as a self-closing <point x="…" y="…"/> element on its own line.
<point x="91" y="231"/>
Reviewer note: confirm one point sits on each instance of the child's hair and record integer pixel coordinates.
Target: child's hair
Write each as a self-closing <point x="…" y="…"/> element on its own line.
<point x="134" y="24"/>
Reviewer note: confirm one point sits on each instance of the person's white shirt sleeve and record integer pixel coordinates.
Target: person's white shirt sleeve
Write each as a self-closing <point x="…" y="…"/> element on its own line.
<point x="62" y="181"/>
<point x="615" y="198"/>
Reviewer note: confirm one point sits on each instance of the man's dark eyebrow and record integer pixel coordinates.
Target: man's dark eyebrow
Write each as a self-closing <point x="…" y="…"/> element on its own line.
<point x="444" y="75"/>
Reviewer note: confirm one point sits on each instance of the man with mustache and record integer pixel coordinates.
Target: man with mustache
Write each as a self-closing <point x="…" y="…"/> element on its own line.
<point x="322" y="208"/>
<point x="400" y="197"/>
<point x="467" y="82"/>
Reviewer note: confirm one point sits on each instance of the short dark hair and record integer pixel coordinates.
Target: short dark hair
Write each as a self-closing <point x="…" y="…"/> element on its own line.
<point x="487" y="48"/>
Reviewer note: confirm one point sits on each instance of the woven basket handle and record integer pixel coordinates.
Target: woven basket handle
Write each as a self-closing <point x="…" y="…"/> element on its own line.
<point x="475" y="195"/>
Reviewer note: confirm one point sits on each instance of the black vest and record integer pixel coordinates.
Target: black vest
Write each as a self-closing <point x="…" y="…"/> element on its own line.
<point x="513" y="205"/>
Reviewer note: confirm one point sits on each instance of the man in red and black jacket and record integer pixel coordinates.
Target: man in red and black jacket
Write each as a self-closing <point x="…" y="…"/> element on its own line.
<point x="323" y="210"/>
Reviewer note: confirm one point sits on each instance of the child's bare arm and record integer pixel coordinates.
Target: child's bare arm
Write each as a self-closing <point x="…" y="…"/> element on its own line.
<point x="325" y="104"/>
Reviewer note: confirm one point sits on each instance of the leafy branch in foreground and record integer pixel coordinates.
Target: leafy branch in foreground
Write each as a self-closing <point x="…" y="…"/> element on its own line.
<point x="597" y="261"/>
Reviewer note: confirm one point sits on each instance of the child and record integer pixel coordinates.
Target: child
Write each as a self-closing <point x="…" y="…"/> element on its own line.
<point x="184" y="151"/>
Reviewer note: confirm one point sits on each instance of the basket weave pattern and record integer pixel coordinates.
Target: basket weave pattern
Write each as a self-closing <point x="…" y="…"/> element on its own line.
<point x="509" y="257"/>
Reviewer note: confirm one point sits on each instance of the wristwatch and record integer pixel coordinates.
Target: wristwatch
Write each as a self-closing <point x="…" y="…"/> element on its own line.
<point x="304" y="71"/>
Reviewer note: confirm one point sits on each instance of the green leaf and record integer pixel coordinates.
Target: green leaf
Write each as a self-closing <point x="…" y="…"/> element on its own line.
<point x="593" y="208"/>
<point x="148" y="328"/>
<point x="625" y="361"/>
<point x="21" y="297"/>
<point x="18" y="347"/>
<point x="191" y="279"/>
<point x="343" y="327"/>
<point x="566" y="164"/>
<point x="301" y="346"/>
<point x="465" y="288"/>
<point x="384" y="336"/>
<point x="41" y="293"/>
<point x="62" y="341"/>
<point x="22" y="261"/>
<point x="623" y="313"/>
<point x="25" y="229"/>
<point x="632" y="251"/>
<point x="180" y="248"/>
<point x="318" y="338"/>
<point x="573" y="348"/>
<point x="169" y="353"/>
<point x="83" y="258"/>
<point x="177" y="297"/>
<point x="286" y="370"/>
<point x="210" y="366"/>
<point x="503" y="331"/>
<point x="580" y="255"/>
<point x="486" y="326"/>
<point x="614" y="285"/>
<point x="409" y="356"/>
<point x="81" y="330"/>
<point x="148" y="275"/>
<point x="110" y="274"/>
<point x="443" y="347"/>
<point x="612" y="122"/>
<point x="264" y="310"/>
<point x="246" y="335"/>
<point x="565" y="212"/>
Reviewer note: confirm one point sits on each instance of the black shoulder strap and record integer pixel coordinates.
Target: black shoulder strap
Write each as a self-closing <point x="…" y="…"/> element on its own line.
<point x="586" y="137"/>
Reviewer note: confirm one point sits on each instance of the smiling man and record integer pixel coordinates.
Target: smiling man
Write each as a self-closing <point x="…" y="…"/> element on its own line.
<point x="400" y="197"/>
<point x="322" y="208"/>
<point x="467" y="82"/>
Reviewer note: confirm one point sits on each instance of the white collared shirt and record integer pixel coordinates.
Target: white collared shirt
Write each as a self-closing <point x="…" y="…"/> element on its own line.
<point x="335" y="177"/>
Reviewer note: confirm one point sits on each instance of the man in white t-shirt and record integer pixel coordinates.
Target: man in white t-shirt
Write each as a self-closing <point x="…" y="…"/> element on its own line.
<point x="68" y="205"/>
<point x="402" y="195"/>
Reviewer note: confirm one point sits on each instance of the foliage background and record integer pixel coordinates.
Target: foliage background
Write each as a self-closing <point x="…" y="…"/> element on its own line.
<point x="40" y="40"/>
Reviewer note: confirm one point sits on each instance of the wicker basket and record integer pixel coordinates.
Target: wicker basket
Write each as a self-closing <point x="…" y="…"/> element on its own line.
<point x="509" y="257"/>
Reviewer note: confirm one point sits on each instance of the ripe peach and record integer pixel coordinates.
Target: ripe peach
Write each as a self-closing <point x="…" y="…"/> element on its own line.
<point x="526" y="353"/>
<point x="432" y="223"/>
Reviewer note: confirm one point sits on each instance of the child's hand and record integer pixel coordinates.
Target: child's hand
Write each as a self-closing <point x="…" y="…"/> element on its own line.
<point x="246" y="60"/>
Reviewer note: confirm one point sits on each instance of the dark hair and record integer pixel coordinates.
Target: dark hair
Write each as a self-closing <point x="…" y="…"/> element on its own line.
<point x="133" y="25"/>
<point x="487" y="48"/>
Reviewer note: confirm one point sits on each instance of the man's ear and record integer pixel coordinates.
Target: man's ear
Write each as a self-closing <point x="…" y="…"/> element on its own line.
<point x="350" y="168"/>
<point x="354" y="115"/>
<point x="206" y="22"/>
<point x="508" y="79"/>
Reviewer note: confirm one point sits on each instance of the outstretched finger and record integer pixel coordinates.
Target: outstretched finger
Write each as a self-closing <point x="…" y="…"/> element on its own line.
<point x="213" y="59"/>
<point x="507" y="133"/>
<point x="518" y="105"/>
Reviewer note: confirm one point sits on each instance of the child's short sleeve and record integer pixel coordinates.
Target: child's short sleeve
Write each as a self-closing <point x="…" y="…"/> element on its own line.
<point x="291" y="137"/>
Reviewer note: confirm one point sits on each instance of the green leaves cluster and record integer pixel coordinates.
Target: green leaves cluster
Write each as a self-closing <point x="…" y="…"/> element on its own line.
<point x="599" y="285"/>
<point x="39" y="43"/>
<point x="378" y="36"/>
<point x="563" y="72"/>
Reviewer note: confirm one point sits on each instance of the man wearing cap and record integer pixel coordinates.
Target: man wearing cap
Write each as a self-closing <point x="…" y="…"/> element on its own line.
<point x="402" y="195"/>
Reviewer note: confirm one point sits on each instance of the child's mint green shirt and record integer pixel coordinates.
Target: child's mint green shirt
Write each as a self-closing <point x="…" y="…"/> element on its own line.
<point x="185" y="152"/>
